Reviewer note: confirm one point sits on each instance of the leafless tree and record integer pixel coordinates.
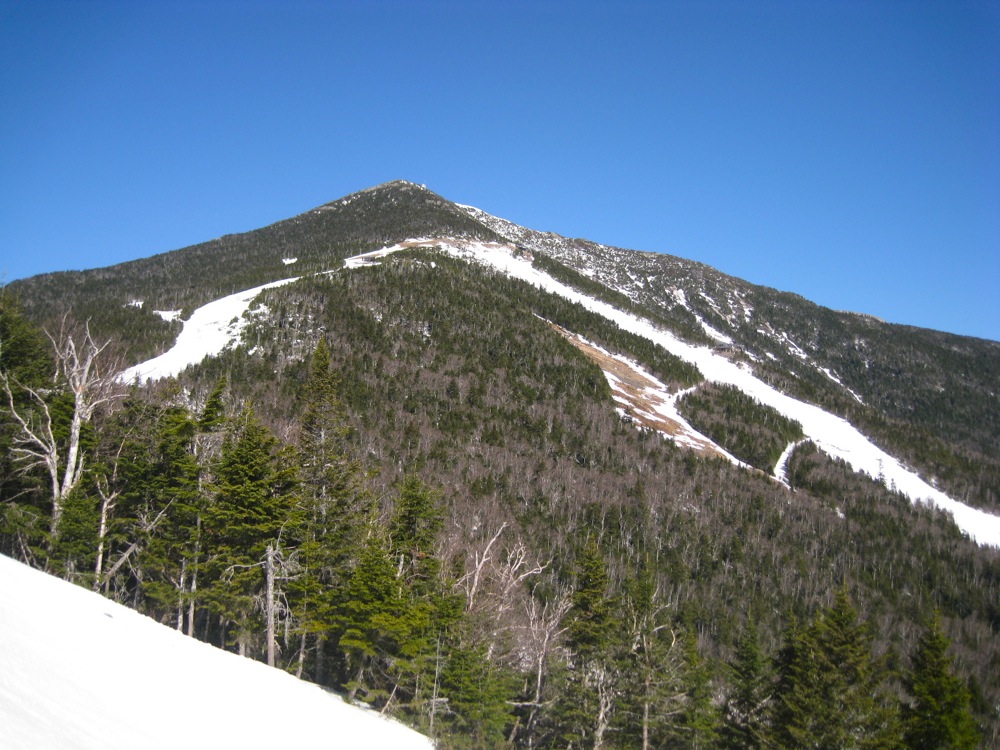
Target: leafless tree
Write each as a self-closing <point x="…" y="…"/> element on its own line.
<point x="88" y="374"/>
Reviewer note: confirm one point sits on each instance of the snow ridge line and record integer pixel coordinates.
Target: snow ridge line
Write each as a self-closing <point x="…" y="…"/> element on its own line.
<point x="832" y="434"/>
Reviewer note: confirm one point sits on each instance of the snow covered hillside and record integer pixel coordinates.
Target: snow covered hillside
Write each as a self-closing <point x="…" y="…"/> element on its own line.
<point x="832" y="434"/>
<point x="79" y="671"/>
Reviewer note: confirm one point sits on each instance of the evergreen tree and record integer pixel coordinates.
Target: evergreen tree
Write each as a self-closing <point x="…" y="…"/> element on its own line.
<point x="744" y="723"/>
<point x="253" y="501"/>
<point x="26" y="361"/>
<point x="334" y="507"/>
<point x="698" y="723"/>
<point x="431" y="606"/>
<point x="938" y="717"/>
<point x="374" y="623"/>
<point x="830" y="689"/>
<point x="213" y="416"/>
<point x="477" y="694"/>
<point x="414" y="529"/>
<point x="652" y="669"/>
<point x="171" y="555"/>
<point x="586" y="709"/>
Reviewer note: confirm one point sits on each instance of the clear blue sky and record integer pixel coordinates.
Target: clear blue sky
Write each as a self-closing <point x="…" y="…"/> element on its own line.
<point x="846" y="151"/>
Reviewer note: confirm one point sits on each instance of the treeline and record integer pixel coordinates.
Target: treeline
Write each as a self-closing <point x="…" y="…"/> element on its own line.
<point x="529" y="569"/>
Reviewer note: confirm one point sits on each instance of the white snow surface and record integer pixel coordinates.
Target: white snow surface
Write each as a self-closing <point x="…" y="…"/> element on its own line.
<point x="169" y="315"/>
<point x="210" y="327"/>
<point x="81" y="672"/>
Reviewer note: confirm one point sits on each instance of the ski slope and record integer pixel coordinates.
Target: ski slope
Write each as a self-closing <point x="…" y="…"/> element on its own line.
<point x="832" y="434"/>
<point x="80" y="672"/>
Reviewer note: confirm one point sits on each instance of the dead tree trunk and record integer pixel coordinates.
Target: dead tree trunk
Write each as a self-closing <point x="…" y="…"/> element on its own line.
<point x="269" y="578"/>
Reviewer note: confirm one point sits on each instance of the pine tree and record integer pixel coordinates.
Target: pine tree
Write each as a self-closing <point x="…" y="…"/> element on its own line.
<point x="938" y="717"/>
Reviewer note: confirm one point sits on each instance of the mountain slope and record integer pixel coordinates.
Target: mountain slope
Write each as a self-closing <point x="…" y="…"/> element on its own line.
<point x="835" y="436"/>
<point x="931" y="398"/>
<point x="749" y="451"/>
<point x="83" y="672"/>
<point x="120" y="300"/>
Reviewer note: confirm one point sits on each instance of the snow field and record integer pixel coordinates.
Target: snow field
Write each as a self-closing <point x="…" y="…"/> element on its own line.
<point x="81" y="672"/>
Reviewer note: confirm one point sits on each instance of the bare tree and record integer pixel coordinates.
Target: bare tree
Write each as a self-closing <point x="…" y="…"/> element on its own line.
<point x="84" y="370"/>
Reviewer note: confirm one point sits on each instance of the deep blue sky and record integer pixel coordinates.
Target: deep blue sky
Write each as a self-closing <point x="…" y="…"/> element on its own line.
<point x="846" y="151"/>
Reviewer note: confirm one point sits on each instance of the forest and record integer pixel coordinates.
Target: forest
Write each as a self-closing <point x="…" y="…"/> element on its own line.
<point x="406" y="486"/>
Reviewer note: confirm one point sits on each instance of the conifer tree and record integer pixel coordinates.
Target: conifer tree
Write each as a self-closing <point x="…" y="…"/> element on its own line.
<point x="652" y="667"/>
<point x="171" y="554"/>
<point x="252" y="503"/>
<point x="25" y="361"/>
<point x="213" y="414"/>
<point x="477" y="695"/>
<point x="372" y="621"/>
<point x="938" y="716"/>
<point x="699" y="720"/>
<point x="831" y="691"/>
<point x="586" y="709"/>
<point x="744" y="723"/>
<point x="431" y="608"/>
<point x="333" y="505"/>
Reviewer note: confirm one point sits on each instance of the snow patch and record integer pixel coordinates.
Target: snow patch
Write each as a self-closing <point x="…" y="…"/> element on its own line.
<point x="781" y="467"/>
<point x="289" y="261"/>
<point x="209" y="330"/>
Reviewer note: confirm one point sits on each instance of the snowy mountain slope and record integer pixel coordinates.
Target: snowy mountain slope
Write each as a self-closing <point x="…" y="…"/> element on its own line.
<point x="832" y="434"/>
<point x="921" y="378"/>
<point x="209" y="330"/>
<point x="79" y="671"/>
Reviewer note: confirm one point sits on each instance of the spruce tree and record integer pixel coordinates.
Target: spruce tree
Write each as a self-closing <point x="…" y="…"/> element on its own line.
<point x="252" y="504"/>
<point x="698" y="723"/>
<point x="652" y="667"/>
<point x="333" y="508"/>
<point x="377" y="625"/>
<point x="586" y="709"/>
<point x="171" y="551"/>
<point x="831" y="692"/>
<point x="744" y="723"/>
<point x="938" y="716"/>
<point x="477" y="694"/>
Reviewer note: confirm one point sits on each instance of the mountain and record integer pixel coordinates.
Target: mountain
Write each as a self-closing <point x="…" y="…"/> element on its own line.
<point x="502" y="399"/>
<point x="83" y="672"/>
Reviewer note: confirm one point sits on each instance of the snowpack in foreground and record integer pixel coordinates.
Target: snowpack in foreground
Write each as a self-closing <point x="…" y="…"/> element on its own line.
<point x="79" y="671"/>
